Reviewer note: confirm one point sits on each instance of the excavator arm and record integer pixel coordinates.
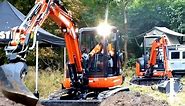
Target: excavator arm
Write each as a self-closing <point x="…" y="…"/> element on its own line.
<point x="10" y="80"/>
<point x="35" y="19"/>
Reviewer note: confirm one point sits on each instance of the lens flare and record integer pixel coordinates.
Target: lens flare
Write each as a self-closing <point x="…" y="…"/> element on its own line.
<point x="104" y="29"/>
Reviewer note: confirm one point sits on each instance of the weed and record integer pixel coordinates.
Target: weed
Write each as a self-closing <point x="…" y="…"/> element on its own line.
<point x="48" y="81"/>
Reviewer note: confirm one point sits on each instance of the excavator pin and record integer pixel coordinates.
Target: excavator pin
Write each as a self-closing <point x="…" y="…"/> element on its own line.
<point x="12" y="86"/>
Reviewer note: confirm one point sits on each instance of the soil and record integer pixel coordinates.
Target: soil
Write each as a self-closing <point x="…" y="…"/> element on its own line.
<point x="119" y="99"/>
<point x="132" y="99"/>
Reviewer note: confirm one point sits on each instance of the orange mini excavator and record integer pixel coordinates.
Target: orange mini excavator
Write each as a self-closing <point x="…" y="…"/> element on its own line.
<point x="83" y="79"/>
<point x="157" y="68"/>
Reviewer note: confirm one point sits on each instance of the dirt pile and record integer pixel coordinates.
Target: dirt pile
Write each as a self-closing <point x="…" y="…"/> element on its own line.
<point x="132" y="99"/>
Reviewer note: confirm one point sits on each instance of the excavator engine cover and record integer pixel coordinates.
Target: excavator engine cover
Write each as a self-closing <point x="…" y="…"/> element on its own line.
<point x="12" y="85"/>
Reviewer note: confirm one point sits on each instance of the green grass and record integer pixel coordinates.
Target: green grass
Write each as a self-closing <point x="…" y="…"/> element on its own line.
<point x="48" y="81"/>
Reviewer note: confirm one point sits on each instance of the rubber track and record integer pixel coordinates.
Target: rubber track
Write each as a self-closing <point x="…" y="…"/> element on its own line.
<point x="70" y="102"/>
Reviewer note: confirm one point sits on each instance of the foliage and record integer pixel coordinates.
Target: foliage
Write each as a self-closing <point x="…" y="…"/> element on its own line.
<point x="95" y="10"/>
<point x="131" y="62"/>
<point x="23" y="5"/>
<point x="49" y="58"/>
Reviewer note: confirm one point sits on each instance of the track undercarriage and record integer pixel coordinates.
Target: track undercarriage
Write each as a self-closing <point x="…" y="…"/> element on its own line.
<point x="147" y="81"/>
<point x="72" y="97"/>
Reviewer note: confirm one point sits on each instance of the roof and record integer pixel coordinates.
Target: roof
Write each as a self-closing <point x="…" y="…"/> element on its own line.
<point x="11" y="17"/>
<point x="86" y="29"/>
<point x="168" y="31"/>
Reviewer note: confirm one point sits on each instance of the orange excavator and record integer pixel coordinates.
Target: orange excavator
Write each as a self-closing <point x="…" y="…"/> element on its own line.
<point x="81" y="82"/>
<point x="157" y="68"/>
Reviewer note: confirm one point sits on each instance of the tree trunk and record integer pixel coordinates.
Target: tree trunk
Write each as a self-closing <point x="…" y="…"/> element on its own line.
<point x="126" y="36"/>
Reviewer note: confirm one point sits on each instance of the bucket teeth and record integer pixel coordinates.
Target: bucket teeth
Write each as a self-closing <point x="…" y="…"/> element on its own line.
<point x="12" y="85"/>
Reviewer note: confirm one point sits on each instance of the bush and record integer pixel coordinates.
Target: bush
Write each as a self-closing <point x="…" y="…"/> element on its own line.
<point x="131" y="62"/>
<point x="51" y="58"/>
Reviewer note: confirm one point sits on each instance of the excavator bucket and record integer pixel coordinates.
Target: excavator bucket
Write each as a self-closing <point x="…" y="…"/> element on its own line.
<point x="12" y="86"/>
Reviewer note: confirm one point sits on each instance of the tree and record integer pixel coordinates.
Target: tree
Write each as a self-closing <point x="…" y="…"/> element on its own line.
<point x="94" y="12"/>
<point x="125" y="4"/>
<point x="119" y="9"/>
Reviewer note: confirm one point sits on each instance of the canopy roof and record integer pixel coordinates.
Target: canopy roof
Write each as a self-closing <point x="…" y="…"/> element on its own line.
<point x="156" y="32"/>
<point x="168" y="31"/>
<point x="11" y="17"/>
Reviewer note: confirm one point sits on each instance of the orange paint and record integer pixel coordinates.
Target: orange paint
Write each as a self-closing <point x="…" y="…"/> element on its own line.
<point x="138" y="70"/>
<point x="106" y="82"/>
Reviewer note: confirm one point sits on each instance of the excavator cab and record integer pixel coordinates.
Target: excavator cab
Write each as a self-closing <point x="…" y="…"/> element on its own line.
<point x="105" y="62"/>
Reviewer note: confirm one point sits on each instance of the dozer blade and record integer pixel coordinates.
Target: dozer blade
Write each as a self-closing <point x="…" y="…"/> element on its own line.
<point x="146" y="81"/>
<point x="12" y="85"/>
<point x="71" y="102"/>
<point x="67" y="97"/>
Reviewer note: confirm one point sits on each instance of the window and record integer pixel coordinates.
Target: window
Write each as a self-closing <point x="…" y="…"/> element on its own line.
<point x="175" y="55"/>
<point x="183" y="55"/>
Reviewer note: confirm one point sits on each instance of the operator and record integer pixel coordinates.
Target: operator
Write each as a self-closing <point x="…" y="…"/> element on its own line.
<point x="99" y="48"/>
